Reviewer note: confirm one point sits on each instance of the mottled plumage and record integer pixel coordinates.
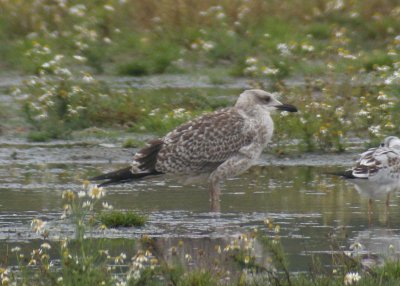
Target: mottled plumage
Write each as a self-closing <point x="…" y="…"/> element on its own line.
<point x="377" y="171"/>
<point x="223" y="143"/>
<point x="381" y="164"/>
<point x="204" y="143"/>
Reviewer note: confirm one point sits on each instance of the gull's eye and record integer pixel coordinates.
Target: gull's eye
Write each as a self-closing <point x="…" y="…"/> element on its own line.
<point x="267" y="99"/>
<point x="382" y="144"/>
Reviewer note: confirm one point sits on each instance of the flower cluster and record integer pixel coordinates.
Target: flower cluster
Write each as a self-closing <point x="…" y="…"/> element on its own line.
<point x="329" y="116"/>
<point x="255" y="68"/>
<point x="351" y="278"/>
<point x="141" y="261"/>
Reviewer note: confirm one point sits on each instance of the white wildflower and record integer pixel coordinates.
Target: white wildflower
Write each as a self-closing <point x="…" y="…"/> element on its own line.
<point x="393" y="78"/>
<point x="383" y="68"/>
<point x="42" y="116"/>
<point x="375" y="129"/>
<point x="140" y="258"/>
<point x="81" y="194"/>
<point x="346" y="55"/>
<point x="78" y="10"/>
<point x="356" y="246"/>
<point x="382" y="96"/>
<point x="87" y="78"/>
<point x="250" y="69"/>
<point x="38" y="225"/>
<point x="120" y="258"/>
<point x="45" y="245"/>
<point x="283" y="49"/>
<point x="354" y="14"/>
<point x="154" y="112"/>
<point x="107" y="40"/>
<point x="46" y="50"/>
<point x="178" y="112"/>
<point x="194" y="46"/>
<point x="208" y="46"/>
<point x="351" y="277"/>
<point x="269" y="71"/>
<point x="86" y="204"/>
<point x="109" y="8"/>
<point x="79" y="58"/>
<point x="46" y="65"/>
<point x="136" y="275"/>
<point x="107" y="206"/>
<point x="96" y="192"/>
<point x="58" y="58"/>
<point x="71" y="110"/>
<point x="63" y="71"/>
<point x="334" y="5"/>
<point x="307" y="47"/>
<point x="251" y="61"/>
<point x="16" y="249"/>
<point x="362" y="112"/>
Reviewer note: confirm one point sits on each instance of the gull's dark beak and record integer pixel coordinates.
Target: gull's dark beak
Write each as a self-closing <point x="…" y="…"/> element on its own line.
<point x="287" y="107"/>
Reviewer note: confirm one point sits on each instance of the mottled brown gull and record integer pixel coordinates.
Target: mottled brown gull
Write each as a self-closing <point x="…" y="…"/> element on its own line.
<point x="223" y="144"/>
<point x="377" y="172"/>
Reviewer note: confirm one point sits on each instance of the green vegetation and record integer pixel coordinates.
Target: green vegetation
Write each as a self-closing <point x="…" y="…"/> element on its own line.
<point x="346" y="53"/>
<point x="141" y="38"/>
<point x="132" y="143"/>
<point x="115" y="219"/>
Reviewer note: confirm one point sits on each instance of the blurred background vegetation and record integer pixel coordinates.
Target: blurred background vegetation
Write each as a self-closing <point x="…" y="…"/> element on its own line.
<point x="337" y="60"/>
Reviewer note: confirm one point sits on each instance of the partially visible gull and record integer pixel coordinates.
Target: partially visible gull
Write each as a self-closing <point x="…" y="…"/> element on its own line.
<point x="377" y="171"/>
<point x="222" y="144"/>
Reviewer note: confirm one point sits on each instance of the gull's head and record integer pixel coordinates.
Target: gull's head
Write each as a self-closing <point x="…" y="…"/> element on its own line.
<point x="391" y="142"/>
<point x="252" y="97"/>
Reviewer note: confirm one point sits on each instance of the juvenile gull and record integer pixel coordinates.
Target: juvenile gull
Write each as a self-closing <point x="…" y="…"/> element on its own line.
<point x="377" y="171"/>
<point x="223" y="144"/>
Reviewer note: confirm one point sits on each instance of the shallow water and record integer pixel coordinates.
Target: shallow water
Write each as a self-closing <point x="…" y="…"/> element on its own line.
<point x="310" y="206"/>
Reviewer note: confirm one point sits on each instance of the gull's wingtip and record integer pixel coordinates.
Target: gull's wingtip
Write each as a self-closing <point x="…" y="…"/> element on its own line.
<point x="348" y="174"/>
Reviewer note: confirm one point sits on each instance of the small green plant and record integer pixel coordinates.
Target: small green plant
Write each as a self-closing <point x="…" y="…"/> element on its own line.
<point x="114" y="219"/>
<point x="132" y="143"/>
<point x="199" y="278"/>
<point x="135" y="68"/>
<point x="40" y="136"/>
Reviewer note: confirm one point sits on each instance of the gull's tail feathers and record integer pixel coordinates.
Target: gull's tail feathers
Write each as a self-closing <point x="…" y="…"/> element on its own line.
<point x="121" y="176"/>
<point x="144" y="165"/>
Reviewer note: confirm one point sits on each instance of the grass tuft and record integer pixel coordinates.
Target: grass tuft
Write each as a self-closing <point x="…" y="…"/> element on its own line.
<point x="114" y="219"/>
